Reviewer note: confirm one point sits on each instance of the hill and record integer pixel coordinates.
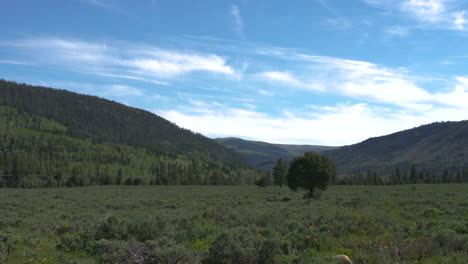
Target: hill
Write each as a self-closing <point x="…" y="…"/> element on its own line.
<point x="264" y="155"/>
<point x="436" y="148"/>
<point x="54" y="135"/>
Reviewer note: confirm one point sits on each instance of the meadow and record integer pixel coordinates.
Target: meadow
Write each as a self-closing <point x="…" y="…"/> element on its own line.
<point x="234" y="224"/>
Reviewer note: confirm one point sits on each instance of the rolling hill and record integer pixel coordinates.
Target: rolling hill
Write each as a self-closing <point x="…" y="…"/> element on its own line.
<point x="52" y="136"/>
<point x="264" y="155"/>
<point x="434" y="147"/>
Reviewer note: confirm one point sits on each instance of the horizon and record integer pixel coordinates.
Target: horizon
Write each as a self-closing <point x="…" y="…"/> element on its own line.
<point x="318" y="72"/>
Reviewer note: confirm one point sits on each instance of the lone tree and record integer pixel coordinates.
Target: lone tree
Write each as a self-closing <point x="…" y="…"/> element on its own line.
<point x="311" y="172"/>
<point x="279" y="172"/>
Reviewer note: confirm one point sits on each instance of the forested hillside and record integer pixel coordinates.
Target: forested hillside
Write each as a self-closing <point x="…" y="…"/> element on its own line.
<point x="52" y="137"/>
<point x="264" y="155"/>
<point x="438" y="149"/>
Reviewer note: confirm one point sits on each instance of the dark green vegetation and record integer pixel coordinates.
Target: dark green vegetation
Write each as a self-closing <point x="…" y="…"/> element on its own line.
<point x="280" y="172"/>
<point x="234" y="224"/>
<point x="434" y="148"/>
<point x="264" y="155"/>
<point x="311" y="172"/>
<point x="52" y="137"/>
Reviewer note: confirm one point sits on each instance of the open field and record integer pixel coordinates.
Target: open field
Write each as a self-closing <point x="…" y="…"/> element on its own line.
<point x="234" y="224"/>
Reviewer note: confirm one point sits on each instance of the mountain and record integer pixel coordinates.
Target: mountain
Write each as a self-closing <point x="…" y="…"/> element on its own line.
<point x="55" y="133"/>
<point x="435" y="147"/>
<point x="264" y="155"/>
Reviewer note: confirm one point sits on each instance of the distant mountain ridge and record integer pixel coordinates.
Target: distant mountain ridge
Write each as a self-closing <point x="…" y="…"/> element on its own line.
<point x="434" y="147"/>
<point x="263" y="155"/>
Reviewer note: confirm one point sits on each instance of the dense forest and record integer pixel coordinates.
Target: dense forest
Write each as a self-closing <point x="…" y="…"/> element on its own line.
<point x="52" y="137"/>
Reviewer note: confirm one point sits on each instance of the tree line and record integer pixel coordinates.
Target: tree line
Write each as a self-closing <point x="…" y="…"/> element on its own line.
<point x="415" y="175"/>
<point x="399" y="176"/>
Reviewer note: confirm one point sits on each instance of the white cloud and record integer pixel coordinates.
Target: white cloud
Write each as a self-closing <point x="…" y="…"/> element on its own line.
<point x="14" y="62"/>
<point x="119" y="90"/>
<point x="359" y="121"/>
<point x="121" y="60"/>
<point x="357" y="79"/>
<point x="440" y="14"/>
<point x="398" y="31"/>
<point x="65" y="50"/>
<point x="108" y="5"/>
<point x="426" y="10"/>
<point x="458" y="97"/>
<point x="237" y="19"/>
<point x="385" y="89"/>
<point x="265" y="92"/>
<point x="288" y="79"/>
<point x="366" y="81"/>
<point x="460" y="21"/>
<point x="169" y="64"/>
<point x="133" y="78"/>
<point x="340" y="124"/>
<point x="339" y="23"/>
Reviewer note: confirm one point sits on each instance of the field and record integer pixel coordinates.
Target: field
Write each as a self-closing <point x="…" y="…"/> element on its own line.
<point x="234" y="224"/>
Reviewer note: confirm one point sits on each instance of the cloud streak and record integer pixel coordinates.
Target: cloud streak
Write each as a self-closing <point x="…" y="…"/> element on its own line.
<point x="134" y="62"/>
<point x="441" y="14"/>
<point x="288" y="79"/>
<point x="237" y="20"/>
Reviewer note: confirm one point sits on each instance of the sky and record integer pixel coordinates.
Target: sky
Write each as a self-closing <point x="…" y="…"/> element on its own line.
<point x="321" y="72"/>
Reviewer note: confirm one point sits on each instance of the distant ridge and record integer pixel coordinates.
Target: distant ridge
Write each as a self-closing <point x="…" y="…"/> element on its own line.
<point x="435" y="147"/>
<point x="264" y="155"/>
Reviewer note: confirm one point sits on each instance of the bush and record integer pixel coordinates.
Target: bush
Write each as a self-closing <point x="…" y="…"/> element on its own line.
<point x="168" y="251"/>
<point x="235" y="246"/>
<point x="124" y="252"/>
<point x="146" y="229"/>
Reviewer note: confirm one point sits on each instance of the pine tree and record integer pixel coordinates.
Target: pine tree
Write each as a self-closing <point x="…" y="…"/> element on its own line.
<point x="280" y="171"/>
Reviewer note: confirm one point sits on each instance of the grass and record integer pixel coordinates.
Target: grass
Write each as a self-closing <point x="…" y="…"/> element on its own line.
<point x="234" y="224"/>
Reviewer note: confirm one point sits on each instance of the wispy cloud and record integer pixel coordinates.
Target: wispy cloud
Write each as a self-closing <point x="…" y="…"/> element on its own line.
<point x="398" y="31"/>
<point x="108" y="5"/>
<point x="14" y="62"/>
<point x="237" y="20"/>
<point x="120" y="90"/>
<point x="288" y="79"/>
<point x="426" y="10"/>
<point x="460" y="21"/>
<point x="127" y="61"/>
<point x="365" y="81"/>
<point x="104" y="90"/>
<point x="265" y="92"/>
<point x="167" y="63"/>
<point x="442" y="14"/>
<point x="339" y="23"/>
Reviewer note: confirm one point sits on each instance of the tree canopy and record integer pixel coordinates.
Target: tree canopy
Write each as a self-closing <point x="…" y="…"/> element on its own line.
<point x="311" y="172"/>
<point x="280" y="170"/>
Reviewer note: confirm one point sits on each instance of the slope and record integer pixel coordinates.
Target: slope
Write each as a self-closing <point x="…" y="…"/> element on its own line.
<point x="104" y="120"/>
<point x="53" y="133"/>
<point x="264" y="155"/>
<point x="434" y="147"/>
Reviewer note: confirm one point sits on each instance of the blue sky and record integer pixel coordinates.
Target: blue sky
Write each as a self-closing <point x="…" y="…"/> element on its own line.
<point x="327" y="72"/>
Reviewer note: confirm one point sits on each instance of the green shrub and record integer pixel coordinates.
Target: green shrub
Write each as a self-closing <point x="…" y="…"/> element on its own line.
<point x="235" y="246"/>
<point x="145" y="229"/>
